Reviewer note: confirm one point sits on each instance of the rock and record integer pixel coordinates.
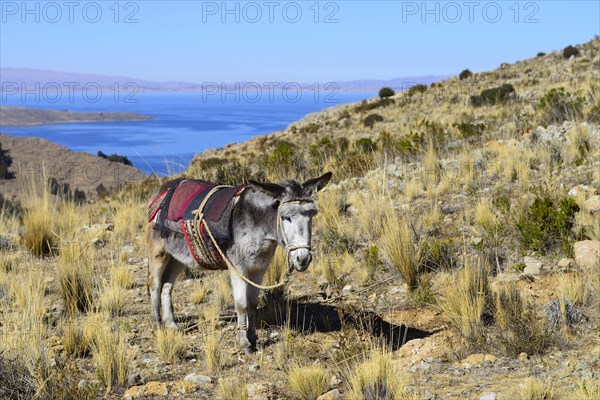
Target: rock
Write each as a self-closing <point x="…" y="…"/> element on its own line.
<point x="566" y="263"/>
<point x="334" y="381"/>
<point x="523" y="356"/>
<point x="476" y="241"/>
<point x="579" y="189"/>
<point x="488" y="396"/>
<point x="134" y="379"/>
<point x="135" y="391"/>
<point x="198" y="379"/>
<point x="476" y="359"/>
<point x="254" y="368"/>
<point x="257" y="391"/>
<point x="533" y="266"/>
<point x="331" y="395"/>
<point x="156" y="389"/>
<point x="347" y="290"/>
<point x="182" y="387"/>
<point x="587" y="253"/>
<point x="593" y="204"/>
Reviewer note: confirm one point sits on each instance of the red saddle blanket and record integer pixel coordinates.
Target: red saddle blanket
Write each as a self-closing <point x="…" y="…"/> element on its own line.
<point x="180" y="201"/>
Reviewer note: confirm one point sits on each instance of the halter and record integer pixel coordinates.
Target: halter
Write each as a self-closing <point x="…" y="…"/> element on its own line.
<point x="281" y="233"/>
<point x="199" y="219"/>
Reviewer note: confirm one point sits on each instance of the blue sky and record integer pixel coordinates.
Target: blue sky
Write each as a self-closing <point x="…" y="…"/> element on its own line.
<point x="303" y="41"/>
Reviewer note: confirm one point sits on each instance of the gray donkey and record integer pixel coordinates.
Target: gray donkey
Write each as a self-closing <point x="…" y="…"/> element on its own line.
<point x="264" y="215"/>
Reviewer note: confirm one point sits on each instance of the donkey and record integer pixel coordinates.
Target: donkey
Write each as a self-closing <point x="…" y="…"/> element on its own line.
<point x="265" y="215"/>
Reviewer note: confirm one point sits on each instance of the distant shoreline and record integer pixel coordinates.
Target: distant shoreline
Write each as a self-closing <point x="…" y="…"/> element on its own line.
<point x="25" y="116"/>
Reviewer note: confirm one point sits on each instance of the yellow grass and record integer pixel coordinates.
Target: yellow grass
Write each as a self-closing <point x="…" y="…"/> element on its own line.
<point x="397" y="246"/>
<point x="232" y="389"/>
<point x="112" y="297"/>
<point x="170" y="344"/>
<point x="308" y="383"/>
<point x="199" y="292"/>
<point x="535" y="389"/>
<point x="378" y="377"/>
<point x="464" y="298"/>
<point x="111" y="354"/>
<point x="75" y="274"/>
<point x="39" y="216"/>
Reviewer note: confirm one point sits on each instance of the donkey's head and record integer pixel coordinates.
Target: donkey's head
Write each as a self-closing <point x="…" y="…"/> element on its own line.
<point x="295" y="210"/>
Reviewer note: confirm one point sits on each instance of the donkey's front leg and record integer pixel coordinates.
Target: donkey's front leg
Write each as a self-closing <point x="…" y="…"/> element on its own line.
<point x="246" y="301"/>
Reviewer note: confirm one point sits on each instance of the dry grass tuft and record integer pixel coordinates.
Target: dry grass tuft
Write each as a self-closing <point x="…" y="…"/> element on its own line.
<point x="39" y="217"/>
<point x="170" y="344"/>
<point x="588" y="390"/>
<point x="397" y="246"/>
<point x="574" y="288"/>
<point x="213" y="351"/>
<point x="378" y="378"/>
<point x="74" y="340"/>
<point x="122" y="276"/>
<point x="465" y="298"/>
<point x="110" y="352"/>
<point x="232" y="389"/>
<point x="308" y="382"/>
<point x="199" y="292"/>
<point x="516" y="318"/>
<point x="534" y="389"/>
<point x="75" y="273"/>
<point x="112" y="297"/>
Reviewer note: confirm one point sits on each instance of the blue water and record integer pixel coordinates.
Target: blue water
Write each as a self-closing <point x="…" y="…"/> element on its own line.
<point x="185" y="123"/>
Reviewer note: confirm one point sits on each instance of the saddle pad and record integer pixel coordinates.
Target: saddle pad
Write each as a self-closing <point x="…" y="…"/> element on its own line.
<point x="186" y="193"/>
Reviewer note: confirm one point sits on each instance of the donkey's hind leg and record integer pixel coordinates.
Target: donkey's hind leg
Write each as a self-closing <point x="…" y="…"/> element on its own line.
<point x="169" y="277"/>
<point x="158" y="259"/>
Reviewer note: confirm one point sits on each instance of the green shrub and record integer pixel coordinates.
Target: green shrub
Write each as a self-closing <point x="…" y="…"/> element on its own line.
<point x="310" y="128"/>
<point x="386" y="92"/>
<point x="546" y="225"/>
<point x="365" y="105"/>
<point x="558" y="106"/>
<point x="115" y="158"/>
<point x="541" y="54"/>
<point x="371" y="120"/>
<point x="469" y="130"/>
<point x="366" y="145"/>
<point x="493" y="96"/>
<point x="570" y="51"/>
<point x="465" y="74"/>
<point x="420" y="88"/>
<point x="5" y="163"/>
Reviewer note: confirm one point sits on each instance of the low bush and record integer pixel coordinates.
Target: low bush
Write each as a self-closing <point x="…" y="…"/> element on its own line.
<point x="570" y="51"/>
<point x="493" y="96"/>
<point x="465" y="74"/>
<point x="386" y="92"/>
<point x="371" y="120"/>
<point x="546" y="225"/>
<point x="420" y="88"/>
<point x="558" y="105"/>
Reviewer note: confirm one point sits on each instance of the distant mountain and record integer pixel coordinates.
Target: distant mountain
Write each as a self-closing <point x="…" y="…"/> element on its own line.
<point x="13" y="78"/>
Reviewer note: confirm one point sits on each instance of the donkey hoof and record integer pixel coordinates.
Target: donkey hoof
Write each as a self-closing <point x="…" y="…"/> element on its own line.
<point x="171" y="325"/>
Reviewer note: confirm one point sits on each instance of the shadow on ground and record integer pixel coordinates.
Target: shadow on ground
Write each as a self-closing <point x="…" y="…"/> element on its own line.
<point x="308" y="317"/>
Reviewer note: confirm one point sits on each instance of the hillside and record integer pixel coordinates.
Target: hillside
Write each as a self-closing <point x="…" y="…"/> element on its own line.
<point x="456" y="256"/>
<point x="17" y="116"/>
<point x="79" y="170"/>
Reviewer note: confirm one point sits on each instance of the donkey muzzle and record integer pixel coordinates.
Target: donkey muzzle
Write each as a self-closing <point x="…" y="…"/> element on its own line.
<point x="301" y="259"/>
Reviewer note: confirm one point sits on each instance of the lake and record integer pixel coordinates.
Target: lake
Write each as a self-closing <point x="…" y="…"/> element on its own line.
<point x="185" y="123"/>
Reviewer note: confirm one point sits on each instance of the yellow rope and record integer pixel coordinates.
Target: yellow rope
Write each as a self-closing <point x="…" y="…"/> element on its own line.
<point x="199" y="216"/>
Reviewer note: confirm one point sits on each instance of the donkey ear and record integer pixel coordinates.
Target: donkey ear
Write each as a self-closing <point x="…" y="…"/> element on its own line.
<point x="270" y="189"/>
<point x="312" y="186"/>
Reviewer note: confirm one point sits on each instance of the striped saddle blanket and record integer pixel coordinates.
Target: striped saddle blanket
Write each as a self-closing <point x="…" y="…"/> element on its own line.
<point x="175" y="210"/>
